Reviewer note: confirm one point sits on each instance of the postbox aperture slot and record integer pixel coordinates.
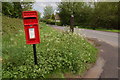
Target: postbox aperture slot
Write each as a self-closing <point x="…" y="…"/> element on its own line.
<point x="28" y="21"/>
<point x="30" y="18"/>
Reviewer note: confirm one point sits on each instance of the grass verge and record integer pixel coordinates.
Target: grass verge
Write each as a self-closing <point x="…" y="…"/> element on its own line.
<point x="58" y="53"/>
<point x="98" y="29"/>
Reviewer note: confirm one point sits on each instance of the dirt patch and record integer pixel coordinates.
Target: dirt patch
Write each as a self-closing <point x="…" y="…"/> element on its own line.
<point x="96" y="70"/>
<point x="93" y="41"/>
<point x="69" y="75"/>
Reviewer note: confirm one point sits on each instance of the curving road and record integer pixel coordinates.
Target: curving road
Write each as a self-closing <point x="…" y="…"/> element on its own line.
<point x="108" y="49"/>
<point x="108" y="37"/>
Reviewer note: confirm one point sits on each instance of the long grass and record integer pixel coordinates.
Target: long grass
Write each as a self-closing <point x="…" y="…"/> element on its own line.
<point x="58" y="52"/>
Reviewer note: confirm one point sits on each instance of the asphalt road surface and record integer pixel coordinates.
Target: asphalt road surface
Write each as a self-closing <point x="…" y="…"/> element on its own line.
<point x="109" y="37"/>
<point x="108" y="49"/>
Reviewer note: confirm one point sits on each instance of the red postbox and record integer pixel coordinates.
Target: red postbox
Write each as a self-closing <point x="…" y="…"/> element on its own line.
<point x="30" y="19"/>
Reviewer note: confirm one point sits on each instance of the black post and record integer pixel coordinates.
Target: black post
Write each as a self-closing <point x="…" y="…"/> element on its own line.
<point x="35" y="56"/>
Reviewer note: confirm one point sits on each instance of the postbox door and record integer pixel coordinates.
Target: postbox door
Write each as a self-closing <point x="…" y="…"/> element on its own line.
<point x="32" y="34"/>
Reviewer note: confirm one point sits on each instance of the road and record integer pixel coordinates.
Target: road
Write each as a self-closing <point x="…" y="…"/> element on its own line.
<point x="109" y="37"/>
<point x="108" y="49"/>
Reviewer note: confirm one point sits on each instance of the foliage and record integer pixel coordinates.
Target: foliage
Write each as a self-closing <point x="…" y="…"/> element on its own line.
<point x="7" y="8"/>
<point x="99" y="29"/>
<point x="58" y="52"/>
<point x="17" y="9"/>
<point x="90" y="14"/>
<point x="58" y="23"/>
<point x="64" y="13"/>
<point x="27" y="6"/>
<point x="14" y="9"/>
<point x="48" y="21"/>
<point x="107" y="16"/>
<point x="53" y="16"/>
<point x="39" y="15"/>
<point x="48" y="12"/>
<point x="51" y="21"/>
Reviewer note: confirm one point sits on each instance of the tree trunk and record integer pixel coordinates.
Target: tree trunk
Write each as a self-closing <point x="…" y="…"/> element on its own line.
<point x="72" y="23"/>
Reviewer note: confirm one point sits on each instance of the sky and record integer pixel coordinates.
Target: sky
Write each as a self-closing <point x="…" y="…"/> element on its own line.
<point x="39" y="6"/>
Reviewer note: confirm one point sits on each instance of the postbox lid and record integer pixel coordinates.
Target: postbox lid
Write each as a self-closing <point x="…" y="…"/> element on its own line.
<point x="27" y="14"/>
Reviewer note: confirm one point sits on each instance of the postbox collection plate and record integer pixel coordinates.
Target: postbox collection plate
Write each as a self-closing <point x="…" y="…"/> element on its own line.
<point x="32" y="33"/>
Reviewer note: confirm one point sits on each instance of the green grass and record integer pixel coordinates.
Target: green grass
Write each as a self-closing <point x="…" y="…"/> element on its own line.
<point x="58" y="53"/>
<point x="109" y="30"/>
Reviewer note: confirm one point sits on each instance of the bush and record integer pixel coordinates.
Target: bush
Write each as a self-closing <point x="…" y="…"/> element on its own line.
<point x="50" y="21"/>
<point x="58" y="23"/>
<point x="43" y="20"/>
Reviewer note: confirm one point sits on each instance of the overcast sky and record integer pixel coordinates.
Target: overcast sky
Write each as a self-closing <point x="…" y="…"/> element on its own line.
<point x="39" y="6"/>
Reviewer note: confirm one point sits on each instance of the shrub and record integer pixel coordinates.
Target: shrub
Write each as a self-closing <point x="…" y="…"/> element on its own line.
<point x="58" y="23"/>
<point x="50" y="21"/>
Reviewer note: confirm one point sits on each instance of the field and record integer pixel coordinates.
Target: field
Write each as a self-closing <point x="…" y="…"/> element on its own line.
<point x="58" y="53"/>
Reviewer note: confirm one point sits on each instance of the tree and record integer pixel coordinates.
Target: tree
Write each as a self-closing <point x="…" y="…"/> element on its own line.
<point x="90" y="14"/>
<point x="7" y="8"/>
<point x="27" y="6"/>
<point x="17" y="9"/>
<point x="53" y="16"/>
<point x="14" y="9"/>
<point x="69" y="13"/>
<point x="39" y="15"/>
<point x="48" y="11"/>
<point x="106" y="17"/>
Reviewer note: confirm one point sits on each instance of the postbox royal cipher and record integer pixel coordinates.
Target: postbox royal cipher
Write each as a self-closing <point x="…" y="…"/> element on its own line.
<point x="30" y="19"/>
